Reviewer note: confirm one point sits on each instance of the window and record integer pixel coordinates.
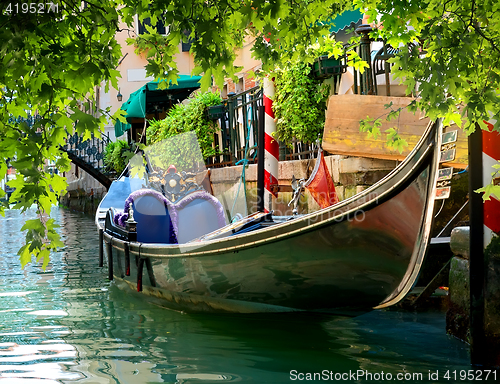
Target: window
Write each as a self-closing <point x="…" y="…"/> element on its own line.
<point x="186" y="46"/>
<point x="240" y="86"/>
<point x="160" y="26"/>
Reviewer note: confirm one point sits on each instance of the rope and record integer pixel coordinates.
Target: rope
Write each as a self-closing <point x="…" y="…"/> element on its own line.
<point x="243" y="161"/>
<point x="440" y="209"/>
<point x="462" y="171"/>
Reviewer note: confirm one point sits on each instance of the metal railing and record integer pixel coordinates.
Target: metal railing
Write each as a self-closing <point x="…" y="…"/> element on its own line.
<point x="237" y="126"/>
<point x="238" y="135"/>
<point x="90" y="151"/>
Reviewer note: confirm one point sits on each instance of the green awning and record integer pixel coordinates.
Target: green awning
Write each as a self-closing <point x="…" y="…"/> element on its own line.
<point x="136" y="106"/>
<point x="121" y="128"/>
<point x="345" y="19"/>
<point x="183" y="82"/>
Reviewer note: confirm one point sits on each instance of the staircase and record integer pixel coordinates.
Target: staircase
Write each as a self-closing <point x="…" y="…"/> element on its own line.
<point x="89" y="156"/>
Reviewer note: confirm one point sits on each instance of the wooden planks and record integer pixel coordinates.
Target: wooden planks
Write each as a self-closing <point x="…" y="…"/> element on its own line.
<point x="342" y="136"/>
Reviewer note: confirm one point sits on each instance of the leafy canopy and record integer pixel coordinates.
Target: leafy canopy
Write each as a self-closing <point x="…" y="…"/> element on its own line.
<point x="454" y="72"/>
<point x="52" y="62"/>
<point x="280" y="30"/>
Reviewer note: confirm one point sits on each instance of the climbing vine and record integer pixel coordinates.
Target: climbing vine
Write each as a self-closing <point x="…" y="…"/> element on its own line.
<point x="301" y="99"/>
<point x="299" y="104"/>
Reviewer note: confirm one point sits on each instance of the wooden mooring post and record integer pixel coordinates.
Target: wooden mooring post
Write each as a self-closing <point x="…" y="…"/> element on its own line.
<point x="476" y="249"/>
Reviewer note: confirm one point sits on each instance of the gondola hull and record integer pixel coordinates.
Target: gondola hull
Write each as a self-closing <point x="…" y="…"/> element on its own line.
<point x="361" y="253"/>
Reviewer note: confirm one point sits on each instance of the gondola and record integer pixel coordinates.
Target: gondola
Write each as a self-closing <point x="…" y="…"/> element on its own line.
<point x="179" y="250"/>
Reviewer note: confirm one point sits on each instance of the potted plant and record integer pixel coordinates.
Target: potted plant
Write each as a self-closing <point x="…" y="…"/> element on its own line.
<point x="328" y="66"/>
<point x="216" y="111"/>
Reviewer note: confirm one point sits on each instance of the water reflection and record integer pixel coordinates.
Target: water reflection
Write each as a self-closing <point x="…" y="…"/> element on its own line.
<point x="68" y="324"/>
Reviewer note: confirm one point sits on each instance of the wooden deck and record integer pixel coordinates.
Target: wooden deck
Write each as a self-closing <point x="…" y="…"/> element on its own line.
<point x="342" y="136"/>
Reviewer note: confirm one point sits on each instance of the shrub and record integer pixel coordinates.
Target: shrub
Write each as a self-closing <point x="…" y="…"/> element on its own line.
<point x="116" y="156"/>
<point x="188" y="117"/>
<point x="299" y="104"/>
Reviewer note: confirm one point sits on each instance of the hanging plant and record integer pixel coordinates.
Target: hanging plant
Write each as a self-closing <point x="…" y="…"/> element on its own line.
<point x="329" y="58"/>
<point x="328" y="66"/>
<point x="216" y="111"/>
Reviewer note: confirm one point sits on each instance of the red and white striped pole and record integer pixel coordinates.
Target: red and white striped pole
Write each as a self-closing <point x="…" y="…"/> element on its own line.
<point x="271" y="146"/>
<point x="484" y="219"/>
<point x="491" y="156"/>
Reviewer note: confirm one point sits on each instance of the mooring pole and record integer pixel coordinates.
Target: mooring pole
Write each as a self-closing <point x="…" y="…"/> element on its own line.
<point x="101" y="247"/>
<point x="476" y="249"/>
<point x="109" y="248"/>
<point x="260" y="164"/>
<point x="271" y="147"/>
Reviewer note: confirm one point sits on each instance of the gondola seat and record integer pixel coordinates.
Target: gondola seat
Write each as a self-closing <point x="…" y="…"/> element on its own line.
<point x="161" y="221"/>
<point x="196" y="215"/>
<point x="151" y="212"/>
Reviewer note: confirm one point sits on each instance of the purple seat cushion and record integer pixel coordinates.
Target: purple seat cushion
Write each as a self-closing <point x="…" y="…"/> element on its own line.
<point x="161" y="221"/>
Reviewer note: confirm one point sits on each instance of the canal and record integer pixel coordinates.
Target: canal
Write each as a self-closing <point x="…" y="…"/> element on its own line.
<point x="69" y="324"/>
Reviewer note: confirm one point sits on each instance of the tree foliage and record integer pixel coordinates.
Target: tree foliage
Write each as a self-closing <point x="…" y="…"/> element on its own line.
<point x="280" y="30"/>
<point x="52" y="62"/>
<point x="450" y="55"/>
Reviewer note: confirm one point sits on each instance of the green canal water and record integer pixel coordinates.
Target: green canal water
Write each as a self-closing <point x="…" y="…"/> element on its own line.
<point x="69" y="324"/>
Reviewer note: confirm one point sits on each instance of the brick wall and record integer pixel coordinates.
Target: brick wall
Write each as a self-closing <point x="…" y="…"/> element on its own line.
<point x="245" y="82"/>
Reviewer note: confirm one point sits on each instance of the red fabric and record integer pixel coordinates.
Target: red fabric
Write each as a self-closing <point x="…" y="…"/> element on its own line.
<point x="322" y="188"/>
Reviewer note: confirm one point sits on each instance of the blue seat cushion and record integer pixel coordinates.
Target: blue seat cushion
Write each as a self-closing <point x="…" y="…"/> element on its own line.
<point x="151" y="213"/>
<point x="161" y="221"/>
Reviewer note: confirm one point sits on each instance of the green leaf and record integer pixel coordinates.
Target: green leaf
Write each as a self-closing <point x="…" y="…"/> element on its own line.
<point x="34" y="225"/>
<point x="44" y="254"/>
<point x="395" y="141"/>
<point x="24" y="255"/>
<point x="489" y="190"/>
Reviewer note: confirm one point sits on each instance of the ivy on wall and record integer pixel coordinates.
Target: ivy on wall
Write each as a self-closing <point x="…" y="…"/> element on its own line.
<point x="301" y="99"/>
<point x="299" y="104"/>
